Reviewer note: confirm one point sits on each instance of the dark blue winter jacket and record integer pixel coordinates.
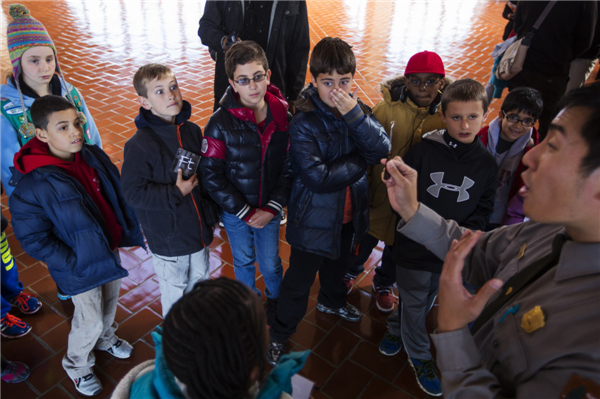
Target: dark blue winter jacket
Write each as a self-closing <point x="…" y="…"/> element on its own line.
<point x="57" y="222"/>
<point x="330" y="153"/>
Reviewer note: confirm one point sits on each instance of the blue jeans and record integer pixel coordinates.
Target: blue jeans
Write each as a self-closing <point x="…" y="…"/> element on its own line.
<point x="243" y="239"/>
<point x="11" y="286"/>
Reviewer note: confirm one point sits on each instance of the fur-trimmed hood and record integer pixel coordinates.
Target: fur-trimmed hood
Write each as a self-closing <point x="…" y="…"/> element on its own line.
<point x="392" y="87"/>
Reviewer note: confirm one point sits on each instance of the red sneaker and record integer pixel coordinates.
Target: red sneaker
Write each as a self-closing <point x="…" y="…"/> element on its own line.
<point x="27" y="303"/>
<point x="384" y="298"/>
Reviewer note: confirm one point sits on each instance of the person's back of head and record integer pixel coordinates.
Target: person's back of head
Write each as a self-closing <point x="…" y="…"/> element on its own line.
<point x="215" y="340"/>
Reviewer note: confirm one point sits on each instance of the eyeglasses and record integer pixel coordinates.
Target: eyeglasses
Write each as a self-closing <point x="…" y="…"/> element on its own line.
<point x="418" y="83"/>
<point x="256" y="79"/>
<point x="512" y="118"/>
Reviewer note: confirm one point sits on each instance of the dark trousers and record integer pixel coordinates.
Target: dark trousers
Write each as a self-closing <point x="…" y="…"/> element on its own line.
<point x="300" y="276"/>
<point x="551" y="89"/>
<point x="385" y="275"/>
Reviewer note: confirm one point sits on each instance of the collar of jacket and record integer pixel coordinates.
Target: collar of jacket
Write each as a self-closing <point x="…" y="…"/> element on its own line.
<point x="277" y="104"/>
<point x="309" y="100"/>
<point x="577" y="259"/>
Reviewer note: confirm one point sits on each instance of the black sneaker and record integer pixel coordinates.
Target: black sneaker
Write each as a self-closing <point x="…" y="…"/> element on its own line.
<point x="348" y="312"/>
<point x="276" y="349"/>
<point x="271" y="309"/>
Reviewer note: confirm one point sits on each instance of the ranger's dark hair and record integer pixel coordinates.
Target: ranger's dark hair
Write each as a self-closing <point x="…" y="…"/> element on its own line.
<point x="332" y="54"/>
<point x="214" y="337"/>
<point x="43" y="107"/>
<point x="242" y="53"/>
<point x="524" y="99"/>
<point x="464" y="90"/>
<point x="587" y="97"/>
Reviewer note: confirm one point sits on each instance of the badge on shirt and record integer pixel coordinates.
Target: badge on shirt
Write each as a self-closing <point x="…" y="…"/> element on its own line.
<point x="533" y="320"/>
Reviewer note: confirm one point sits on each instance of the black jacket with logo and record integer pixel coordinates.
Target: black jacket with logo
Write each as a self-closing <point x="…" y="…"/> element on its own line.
<point x="462" y="189"/>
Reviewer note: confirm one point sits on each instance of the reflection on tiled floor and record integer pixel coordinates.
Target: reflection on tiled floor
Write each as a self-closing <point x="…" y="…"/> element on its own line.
<point x="101" y="44"/>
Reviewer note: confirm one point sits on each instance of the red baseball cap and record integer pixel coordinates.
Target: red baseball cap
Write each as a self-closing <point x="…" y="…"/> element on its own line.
<point x="425" y="62"/>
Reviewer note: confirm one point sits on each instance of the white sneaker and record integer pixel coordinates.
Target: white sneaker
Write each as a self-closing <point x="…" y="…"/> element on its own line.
<point x="121" y="349"/>
<point x="88" y="385"/>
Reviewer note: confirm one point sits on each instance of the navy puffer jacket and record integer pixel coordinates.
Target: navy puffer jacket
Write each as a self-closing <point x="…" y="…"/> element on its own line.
<point x="243" y="169"/>
<point x="57" y="222"/>
<point x="330" y="153"/>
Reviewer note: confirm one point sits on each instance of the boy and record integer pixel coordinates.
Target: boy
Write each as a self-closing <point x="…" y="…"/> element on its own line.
<point x="334" y="138"/>
<point x="456" y="178"/>
<point x="508" y="138"/>
<point x="166" y="203"/>
<point x="412" y="103"/>
<point x="68" y="210"/>
<point x="246" y="166"/>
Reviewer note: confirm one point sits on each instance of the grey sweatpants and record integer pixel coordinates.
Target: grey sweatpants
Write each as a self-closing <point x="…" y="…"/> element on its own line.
<point x="177" y="275"/>
<point x="417" y="291"/>
<point x="93" y="327"/>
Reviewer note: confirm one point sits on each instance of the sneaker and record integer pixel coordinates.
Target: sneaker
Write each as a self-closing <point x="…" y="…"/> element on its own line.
<point x="13" y="327"/>
<point x="276" y="349"/>
<point x="88" y="385"/>
<point x="384" y="298"/>
<point x="14" y="372"/>
<point x="349" y="281"/>
<point x="121" y="349"/>
<point x="283" y="218"/>
<point x="27" y="303"/>
<point x="390" y="345"/>
<point x="271" y="309"/>
<point x="426" y="376"/>
<point x="348" y="312"/>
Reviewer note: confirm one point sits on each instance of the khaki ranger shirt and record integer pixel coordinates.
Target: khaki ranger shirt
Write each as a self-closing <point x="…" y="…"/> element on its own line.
<point x="537" y="341"/>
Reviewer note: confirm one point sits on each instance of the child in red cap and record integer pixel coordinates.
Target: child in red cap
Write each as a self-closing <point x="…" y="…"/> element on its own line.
<point x="412" y="103"/>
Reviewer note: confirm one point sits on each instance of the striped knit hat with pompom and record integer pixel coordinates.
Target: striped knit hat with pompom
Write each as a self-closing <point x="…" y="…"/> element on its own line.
<point x="23" y="33"/>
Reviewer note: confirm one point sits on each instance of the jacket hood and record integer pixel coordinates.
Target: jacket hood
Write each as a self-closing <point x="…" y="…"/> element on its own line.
<point x="309" y="100"/>
<point x="146" y="118"/>
<point x="34" y="155"/>
<point x="474" y="151"/>
<point x="392" y="88"/>
<point x="277" y="105"/>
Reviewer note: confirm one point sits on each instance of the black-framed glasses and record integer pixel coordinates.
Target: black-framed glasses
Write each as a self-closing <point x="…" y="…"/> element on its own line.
<point x="418" y="83"/>
<point x="512" y="118"/>
<point x="256" y="79"/>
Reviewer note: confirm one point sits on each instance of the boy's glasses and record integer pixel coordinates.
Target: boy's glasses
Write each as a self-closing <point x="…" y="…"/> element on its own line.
<point x="418" y="83"/>
<point x="246" y="81"/>
<point x="512" y="118"/>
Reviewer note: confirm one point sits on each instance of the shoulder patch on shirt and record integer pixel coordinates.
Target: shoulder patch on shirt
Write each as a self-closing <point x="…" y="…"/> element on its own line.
<point x="204" y="147"/>
<point x="11" y="108"/>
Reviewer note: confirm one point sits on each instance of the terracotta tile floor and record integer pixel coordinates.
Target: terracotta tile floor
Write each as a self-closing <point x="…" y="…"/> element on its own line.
<point x="101" y="44"/>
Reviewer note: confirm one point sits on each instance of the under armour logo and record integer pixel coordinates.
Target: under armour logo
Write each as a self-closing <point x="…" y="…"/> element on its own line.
<point x="453" y="144"/>
<point x="438" y="179"/>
